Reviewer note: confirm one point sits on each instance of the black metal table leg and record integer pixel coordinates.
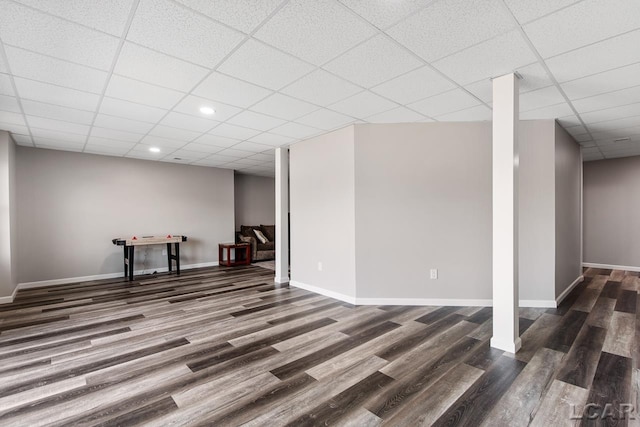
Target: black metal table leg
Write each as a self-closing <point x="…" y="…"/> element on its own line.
<point x="131" y="263"/>
<point x="169" y="257"/>
<point x="126" y="261"/>
<point x="177" y="258"/>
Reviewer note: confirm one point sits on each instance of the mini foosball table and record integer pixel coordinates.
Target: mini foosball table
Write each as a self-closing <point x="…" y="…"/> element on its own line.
<point x="130" y="244"/>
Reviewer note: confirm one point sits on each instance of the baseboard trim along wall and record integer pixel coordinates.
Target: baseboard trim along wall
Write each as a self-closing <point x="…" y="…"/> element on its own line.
<point x="43" y="283"/>
<point x="610" y="266"/>
<point x="416" y="301"/>
<point x="566" y="292"/>
<point x="325" y="292"/>
<point x="10" y="298"/>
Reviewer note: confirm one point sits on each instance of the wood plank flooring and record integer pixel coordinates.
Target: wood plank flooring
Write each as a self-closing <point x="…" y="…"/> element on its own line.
<point x="225" y="346"/>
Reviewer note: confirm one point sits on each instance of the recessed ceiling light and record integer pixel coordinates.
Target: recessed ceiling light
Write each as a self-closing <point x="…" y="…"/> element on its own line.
<point x="207" y="110"/>
<point x="154" y="149"/>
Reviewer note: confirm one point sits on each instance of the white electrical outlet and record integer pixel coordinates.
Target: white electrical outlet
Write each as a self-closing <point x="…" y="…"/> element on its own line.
<point x="434" y="273"/>
<point x="319" y="266"/>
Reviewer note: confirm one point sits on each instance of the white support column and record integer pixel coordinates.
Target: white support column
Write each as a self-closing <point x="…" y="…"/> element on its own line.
<point x="505" y="213"/>
<point x="282" y="215"/>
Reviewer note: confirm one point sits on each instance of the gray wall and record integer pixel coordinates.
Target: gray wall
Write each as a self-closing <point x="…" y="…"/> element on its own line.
<point x="71" y="205"/>
<point x="423" y="200"/>
<point x="255" y="200"/>
<point x="321" y="200"/>
<point x="568" y="172"/>
<point x="611" y="212"/>
<point x="537" y="210"/>
<point x="8" y="216"/>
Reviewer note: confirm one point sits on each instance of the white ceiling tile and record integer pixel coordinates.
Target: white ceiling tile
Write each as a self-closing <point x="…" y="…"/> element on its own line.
<point x="174" y="133"/>
<point x="233" y="152"/>
<point x="540" y="98"/>
<point x="321" y="88"/>
<point x="248" y="162"/>
<point x="383" y="13"/>
<point x="187" y="155"/>
<point x="185" y="121"/>
<point x="53" y="144"/>
<point x="244" y="15"/>
<point x="611" y="113"/>
<point x="6" y="88"/>
<point x="119" y="123"/>
<point x="325" y="119"/>
<point x="606" y="55"/>
<point x="141" y="151"/>
<point x="22" y="140"/>
<point x="234" y="132"/>
<point x="447" y="102"/>
<point x="583" y="138"/>
<point x="104" y="142"/>
<point x="612" y="132"/>
<point x="115" y="134"/>
<point x="570" y="120"/>
<point x="272" y="139"/>
<point x="263" y="65"/>
<point x="183" y="34"/>
<point x="615" y="141"/>
<point x="608" y="100"/>
<point x="284" y="107"/>
<point x="482" y="89"/>
<point x="191" y="105"/>
<point x="576" y="130"/>
<point x="62" y="137"/>
<point x="608" y="81"/>
<point x="492" y="58"/>
<point x="527" y="10"/>
<point x="258" y="121"/>
<point x="57" y="125"/>
<point x="551" y="112"/>
<point x="107" y="149"/>
<point x="202" y="148"/>
<point x="164" y="143"/>
<point x="231" y="91"/>
<point x="373" y="62"/>
<point x="57" y="112"/>
<point x="142" y="93"/>
<point x="152" y="67"/>
<point x="619" y="126"/>
<point x="477" y="113"/>
<point x="590" y="150"/>
<point x="215" y="162"/>
<point x="251" y="146"/>
<point x="13" y="128"/>
<point x="216" y="140"/>
<point x="315" y="31"/>
<point x="110" y="17"/>
<point x="583" y="23"/>
<point x="9" y="103"/>
<point x="363" y="105"/>
<point x="295" y="130"/>
<point x="3" y="66"/>
<point x="415" y="85"/>
<point x="632" y="151"/>
<point x="592" y="157"/>
<point x="12" y="118"/>
<point x="262" y="157"/>
<point x="397" y="115"/>
<point x="448" y="26"/>
<point x="126" y="109"/>
<point x="44" y="92"/>
<point x="24" y="27"/>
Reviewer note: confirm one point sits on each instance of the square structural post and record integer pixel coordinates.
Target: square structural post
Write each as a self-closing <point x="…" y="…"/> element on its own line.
<point x="505" y="213"/>
<point x="282" y="215"/>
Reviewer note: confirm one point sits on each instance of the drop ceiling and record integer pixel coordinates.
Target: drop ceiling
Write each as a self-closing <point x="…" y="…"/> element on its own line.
<point x="121" y="76"/>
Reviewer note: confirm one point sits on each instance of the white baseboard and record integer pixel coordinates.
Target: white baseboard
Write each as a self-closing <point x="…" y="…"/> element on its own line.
<point x="564" y="293"/>
<point x="538" y="303"/>
<point x="10" y="298"/>
<point x="415" y="301"/>
<point x="425" y="302"/>
<point x="42" y="283"/>
<point x="610" y="266"/>
<point x="281" y="280"/>
<point x="325" y="292"/>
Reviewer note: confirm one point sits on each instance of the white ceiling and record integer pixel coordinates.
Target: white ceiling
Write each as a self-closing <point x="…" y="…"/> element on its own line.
<point x="118" y="77"/>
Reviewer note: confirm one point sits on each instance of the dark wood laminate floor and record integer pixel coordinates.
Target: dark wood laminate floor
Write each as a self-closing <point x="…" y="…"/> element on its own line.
<point x="224" y="346"/>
